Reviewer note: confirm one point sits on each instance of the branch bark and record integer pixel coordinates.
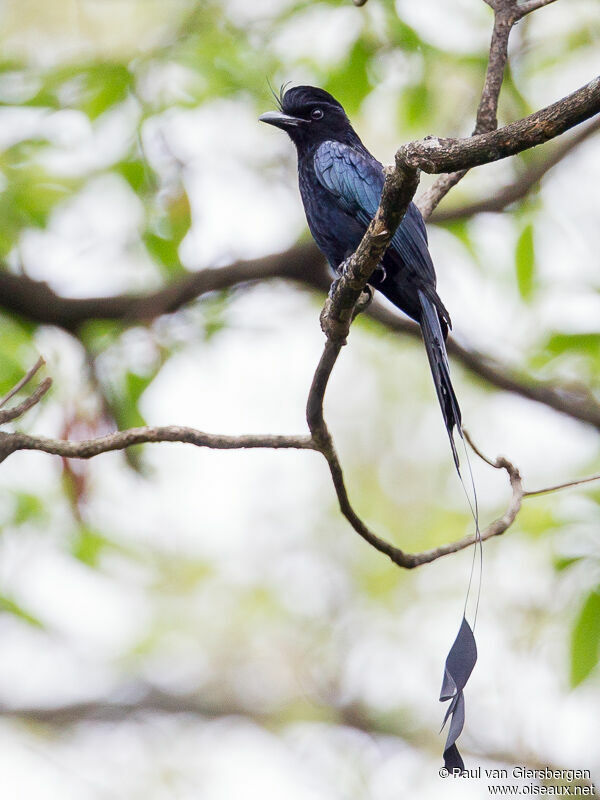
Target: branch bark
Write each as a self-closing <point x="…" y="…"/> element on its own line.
<point x="38" y="302"/>
<point x="11" y="442"/>
<point x="435" y="155"/>
<point x="319" y="440"/>
<point x="499" y="200"/>
<point x="302" y="264"/>
<point x="486" y="119"/>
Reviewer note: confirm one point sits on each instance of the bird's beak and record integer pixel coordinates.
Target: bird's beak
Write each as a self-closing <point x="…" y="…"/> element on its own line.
<point x="280" y="120"/>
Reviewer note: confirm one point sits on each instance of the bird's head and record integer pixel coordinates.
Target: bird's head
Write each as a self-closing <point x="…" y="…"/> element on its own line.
<point x="309" y="116"/>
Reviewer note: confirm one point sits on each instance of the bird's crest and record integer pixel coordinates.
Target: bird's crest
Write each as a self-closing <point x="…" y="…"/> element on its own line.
<point x="299" y="97"/>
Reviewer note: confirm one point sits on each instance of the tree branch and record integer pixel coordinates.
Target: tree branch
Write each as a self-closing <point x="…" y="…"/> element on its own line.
<point x="506" y="14"/>
<point x="36" y="301"/>
<point x="486" y="119"/>
<point x="89" y="448"/>
<point x="532" y="5"/>
<point x="576" y="402"/>
<point x="303" y="264"/>
<point x="319" y="440"/>
<point x="23" y="382"/>
<point x="499" y="200"/>
<point x="435" y="155"/>
<point x="17" y="411"/>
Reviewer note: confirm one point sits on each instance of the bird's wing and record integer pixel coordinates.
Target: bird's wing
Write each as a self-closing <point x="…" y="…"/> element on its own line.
<point x="356" y="180"/>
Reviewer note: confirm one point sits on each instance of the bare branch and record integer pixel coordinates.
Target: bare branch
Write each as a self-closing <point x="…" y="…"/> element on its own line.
<point x="429" y="200"/>
<point x="17" y="411"/>
<point x="320" y="440"/>
<point x="506" y="14"/>
<point x="304" y="265"/>
<point x="36" y="300"/>
<point x="486" y="120"/>
<point x="532" y="5"/>
<point x="559" y="486"/>
<point x="324" y="443"/>
<point x="504" y="19"/>
<point x="496" y="528"/>
<point x="435" y="155"/>
<point x="499" y="200"/>
<point x="23" y="382"/>
<point x="10" y="442"/>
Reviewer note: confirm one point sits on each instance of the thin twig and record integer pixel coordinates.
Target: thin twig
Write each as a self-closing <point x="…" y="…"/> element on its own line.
<point x="29" y="402"/>
<point x="320" y="440"/>
<point x="477" y="451"/>
<point x="559" y="486"/>
<point x="496" y="528"/>
<point x="23" y="382"/>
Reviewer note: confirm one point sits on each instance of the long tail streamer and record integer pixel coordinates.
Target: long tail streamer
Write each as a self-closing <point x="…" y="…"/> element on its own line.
<point x="463" y="654"/>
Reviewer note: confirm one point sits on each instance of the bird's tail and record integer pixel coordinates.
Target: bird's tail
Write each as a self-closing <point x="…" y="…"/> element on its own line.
<point x="434" y="339"/>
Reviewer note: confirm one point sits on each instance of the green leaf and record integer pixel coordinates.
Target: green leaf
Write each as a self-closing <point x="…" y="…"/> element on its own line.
<point x="98" y="334"/>
<point x="585" y="639"/>
<point x="9" y="606"/>
<point x="582" y="343"/>
<point x="106" y="85"/>
<point x="28" y="507"/>
<point x="564" y="562"/>
<point x="17" y="351"/>
<point x="88" y="546"/>
<point x="163" y="250"/>
<point x="525" y="263"/>
<point x="135" y="173"/>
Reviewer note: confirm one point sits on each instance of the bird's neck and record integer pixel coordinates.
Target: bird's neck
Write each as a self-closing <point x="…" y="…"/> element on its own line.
<point x="306" y="149"/>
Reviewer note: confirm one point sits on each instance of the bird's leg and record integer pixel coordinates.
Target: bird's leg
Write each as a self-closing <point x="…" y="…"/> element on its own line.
<point x="363" y="302"/>
<point x="332" y="288"/>
<point x="366" y="297"/>
<point x="339" y="270"/>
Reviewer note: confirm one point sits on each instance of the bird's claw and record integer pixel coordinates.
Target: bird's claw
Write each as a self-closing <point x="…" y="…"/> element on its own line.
<point x="364" y="301"/>
<point x="332" y="288"/>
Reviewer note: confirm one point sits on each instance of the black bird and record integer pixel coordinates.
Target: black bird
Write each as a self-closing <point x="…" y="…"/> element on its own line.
<point x="341" y="185"/>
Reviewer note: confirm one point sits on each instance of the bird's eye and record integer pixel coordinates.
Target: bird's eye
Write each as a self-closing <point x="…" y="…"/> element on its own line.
<point x="316" y="113"/>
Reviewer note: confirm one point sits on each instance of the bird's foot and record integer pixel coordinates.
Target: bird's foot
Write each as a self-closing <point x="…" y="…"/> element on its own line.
<point x="364" y="301"/>
<point x="332" y="288"/>
<point x="380" y="273"/>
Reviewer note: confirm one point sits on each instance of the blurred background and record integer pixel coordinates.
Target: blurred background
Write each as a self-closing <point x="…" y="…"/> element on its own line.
<point x="185" y="623"/>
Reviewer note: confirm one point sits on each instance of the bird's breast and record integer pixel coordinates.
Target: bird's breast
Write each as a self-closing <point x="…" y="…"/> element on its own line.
<point x="336" y="233"/>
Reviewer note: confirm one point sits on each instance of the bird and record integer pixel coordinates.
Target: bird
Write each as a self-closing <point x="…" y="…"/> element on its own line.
<point x="340" y="185"/>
